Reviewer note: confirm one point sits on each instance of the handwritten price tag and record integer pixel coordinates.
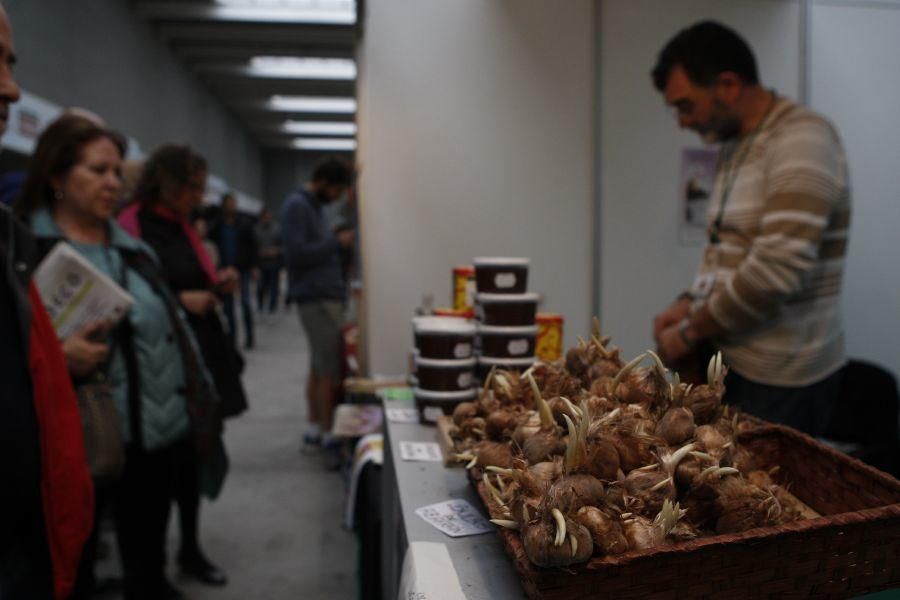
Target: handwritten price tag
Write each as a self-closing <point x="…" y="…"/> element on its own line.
<point x="420" y="451"/>
<point x="456" y="518"/>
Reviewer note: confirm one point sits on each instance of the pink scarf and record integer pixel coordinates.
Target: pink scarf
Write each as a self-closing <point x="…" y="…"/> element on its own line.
<point x="128" y="220"/>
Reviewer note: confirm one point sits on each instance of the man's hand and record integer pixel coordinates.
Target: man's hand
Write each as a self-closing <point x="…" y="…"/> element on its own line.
<point x="671" y="347"/>
<point x="346" y="237"/>
<point x="255" y="273"/>
<point x="82" y="350"/>
<point x="198" y="302"/>
<point x="674" y="314"/>
<point x="227" y="280"/>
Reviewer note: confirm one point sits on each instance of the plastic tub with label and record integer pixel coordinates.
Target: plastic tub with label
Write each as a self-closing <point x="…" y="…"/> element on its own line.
<point x="444" y="337"/>
<point x="508" y="342"/>
<point x="444" y="375"/>
<point x="501" y="275"/>
<point x="432" y="404"/>
<point x="508" y="310"/>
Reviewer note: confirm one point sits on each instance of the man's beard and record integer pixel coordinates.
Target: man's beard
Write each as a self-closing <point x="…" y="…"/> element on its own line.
<point x="721" y="127"/>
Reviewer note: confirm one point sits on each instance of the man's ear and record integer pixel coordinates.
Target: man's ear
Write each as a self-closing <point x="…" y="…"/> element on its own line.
<point x="728" y="86"/>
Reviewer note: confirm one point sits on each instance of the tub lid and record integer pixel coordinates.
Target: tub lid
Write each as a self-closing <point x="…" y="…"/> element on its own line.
<point x="500" y="261"/>
<point x="486" y="298"/>
<point x="499" y="330"/>
<point x="432" y="395"/>
<point x="543" y="317"/>
<point x="509" y="362"/>
<point x="445" y="325"/>
<point x="445" y="363"/>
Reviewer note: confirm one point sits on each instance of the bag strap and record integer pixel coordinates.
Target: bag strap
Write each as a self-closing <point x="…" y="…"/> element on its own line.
<point x="124" y="335"/>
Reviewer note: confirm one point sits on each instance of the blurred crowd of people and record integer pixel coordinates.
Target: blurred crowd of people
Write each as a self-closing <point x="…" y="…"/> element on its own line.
<point x="170" y="367"/>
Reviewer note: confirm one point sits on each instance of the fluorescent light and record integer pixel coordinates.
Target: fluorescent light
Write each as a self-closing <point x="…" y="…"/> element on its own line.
<point x="332" y="12"/>
<point x="292" y="67"/>
<point x="313" y="104"/>
<point x="324" y="144"/>
<point x="319" y="128"/>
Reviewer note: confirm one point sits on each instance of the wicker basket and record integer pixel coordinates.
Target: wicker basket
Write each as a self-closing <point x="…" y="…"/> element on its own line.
<point x="853" y="549"/>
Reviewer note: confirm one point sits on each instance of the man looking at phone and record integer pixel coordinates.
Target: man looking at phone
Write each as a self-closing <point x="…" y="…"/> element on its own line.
<point x="316" y="284"/>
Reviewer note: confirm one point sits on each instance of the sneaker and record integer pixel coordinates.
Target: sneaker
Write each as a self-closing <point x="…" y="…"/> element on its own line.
<point x="332" y="452"/>
<point x="196" y="565"/>
<point x="312" y="439"/>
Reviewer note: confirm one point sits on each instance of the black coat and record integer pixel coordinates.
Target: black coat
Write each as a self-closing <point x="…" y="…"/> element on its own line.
<point x="184" y="272"/>
<point x="247" y="250"/>
<point x="24" y="558"/>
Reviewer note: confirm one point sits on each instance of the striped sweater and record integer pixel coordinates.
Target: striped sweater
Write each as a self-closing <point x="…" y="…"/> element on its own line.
<point x="773" y="279"/>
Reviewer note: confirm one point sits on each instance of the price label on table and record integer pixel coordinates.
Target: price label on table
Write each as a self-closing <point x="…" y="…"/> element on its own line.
<point x="402" y="415"/>
<point x="456" y="518"/>
<point x="421" y="451"/>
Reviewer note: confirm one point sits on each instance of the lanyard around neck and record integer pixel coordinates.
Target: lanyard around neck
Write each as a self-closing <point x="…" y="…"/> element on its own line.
<point x="730" y="176"/>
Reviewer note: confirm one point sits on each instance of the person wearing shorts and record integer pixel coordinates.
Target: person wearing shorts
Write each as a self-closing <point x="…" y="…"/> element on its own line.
<point x="312" y="255"/>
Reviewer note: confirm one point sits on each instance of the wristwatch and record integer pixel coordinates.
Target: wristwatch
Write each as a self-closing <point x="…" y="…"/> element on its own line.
<point x="682" y="333"/>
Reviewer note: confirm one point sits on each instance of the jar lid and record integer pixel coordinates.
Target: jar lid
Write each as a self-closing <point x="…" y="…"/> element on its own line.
<point x="486" y="298"/>
<point x="500" y="261"/>
<point x="445" y="363"/>
<point x="543" y="317"/>
<point x="500" y="330"/>
<point x="432" y="395"/>
<point x="445" y="325"/>
<point x="492" y="361"/>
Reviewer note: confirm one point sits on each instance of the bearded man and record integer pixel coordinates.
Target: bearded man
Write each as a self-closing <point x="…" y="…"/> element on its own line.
<point x="767" y="289"/>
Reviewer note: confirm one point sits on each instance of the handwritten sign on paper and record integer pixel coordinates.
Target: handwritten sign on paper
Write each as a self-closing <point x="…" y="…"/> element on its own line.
<point x="402" y="415"/>
<point x="456" y="518"/>
<point x="421" y="451"/>
<point x="428" y="574"/>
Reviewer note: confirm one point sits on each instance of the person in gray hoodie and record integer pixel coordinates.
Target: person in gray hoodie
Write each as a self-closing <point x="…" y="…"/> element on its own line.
<point x="316" y="284"/>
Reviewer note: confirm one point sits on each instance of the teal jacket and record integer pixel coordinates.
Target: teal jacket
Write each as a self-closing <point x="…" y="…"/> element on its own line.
<point x="155" y="345"/>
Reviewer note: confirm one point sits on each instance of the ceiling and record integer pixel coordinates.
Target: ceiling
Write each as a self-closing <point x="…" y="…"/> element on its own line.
<point x="217" y="39"/>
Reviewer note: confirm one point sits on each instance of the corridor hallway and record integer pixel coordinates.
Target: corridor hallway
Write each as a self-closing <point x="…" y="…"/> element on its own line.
<point x="276" y="528"/>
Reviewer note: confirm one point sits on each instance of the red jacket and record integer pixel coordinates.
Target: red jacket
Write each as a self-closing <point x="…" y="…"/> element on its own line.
<point x="66" y="486"/>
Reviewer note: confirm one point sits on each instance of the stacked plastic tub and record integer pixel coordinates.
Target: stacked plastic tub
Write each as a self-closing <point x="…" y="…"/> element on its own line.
<point x="506" y="314"/>
<point x="444" y="364"/>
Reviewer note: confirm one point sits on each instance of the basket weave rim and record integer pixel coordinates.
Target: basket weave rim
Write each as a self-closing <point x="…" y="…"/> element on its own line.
<point x="750" y="536"/>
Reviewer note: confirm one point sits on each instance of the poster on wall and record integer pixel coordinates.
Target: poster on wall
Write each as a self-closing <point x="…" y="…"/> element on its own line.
<point x="695" y="185"/>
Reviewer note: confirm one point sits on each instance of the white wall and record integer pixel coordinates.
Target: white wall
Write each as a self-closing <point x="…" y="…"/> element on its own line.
<point x="643" y="265"/>
<point x="476" y="126"/>
<point x="855" y="81"/>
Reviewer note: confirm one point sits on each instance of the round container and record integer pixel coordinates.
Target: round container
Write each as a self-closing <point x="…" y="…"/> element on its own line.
<point x="501" y="275"/>
<point x="464" y="287"/>
<point x="433" y="404"/>
<point x="444" y="337"/>
<point x="549" y="337"/>
<point x="508" y="310"/>
<point x="444" y="375"/>
<point x="486" y="363"/>
<point x="507" y="342"/>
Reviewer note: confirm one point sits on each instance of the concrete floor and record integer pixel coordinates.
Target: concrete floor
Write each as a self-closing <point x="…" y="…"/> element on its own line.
<point x="276" y="529"/>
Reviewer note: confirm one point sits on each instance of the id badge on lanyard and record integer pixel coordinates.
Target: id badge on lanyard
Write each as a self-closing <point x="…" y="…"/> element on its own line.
<point x="705" y="281"/>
